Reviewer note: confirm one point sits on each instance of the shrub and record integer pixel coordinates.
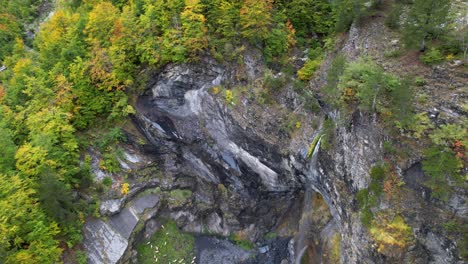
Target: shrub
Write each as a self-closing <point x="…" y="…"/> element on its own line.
<point x="81" y="257"/>
<point x="420" y="81"/>
<point x="431" y="57"/>
<point x="240" y="239"/>
<point x="418" y="126"/>
<point x="439" y="164"/>
<point x="367" y="198"/>
<point x="107" y="181"/>
<point x="315" y="53"/>
<point x="393" y="19"/>
<point x="273" y="83"/>
<point x="299" y="85"/>
<point x="115" y="135"/>
<point x="365" y="202"/>
<point x="328" y="134"/>
<point x="276" y="42"/>
<point x="110" y="163"/>
<point x="393" y="236"/>
<point x="229" y="97"/>
<point x="395" y="53"/>
<point x="377" y="173"/>
<point x="446" y="135"/>
<point x="307" y="71"/>
<point x="124" y="189"/>
<point x="389" y="148"/>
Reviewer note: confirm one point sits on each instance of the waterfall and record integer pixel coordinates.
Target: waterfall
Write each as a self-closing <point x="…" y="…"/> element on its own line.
<point x="305" y="221"/>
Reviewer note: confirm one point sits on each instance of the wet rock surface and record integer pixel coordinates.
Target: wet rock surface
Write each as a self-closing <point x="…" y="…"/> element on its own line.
<point x="214" y="250"/>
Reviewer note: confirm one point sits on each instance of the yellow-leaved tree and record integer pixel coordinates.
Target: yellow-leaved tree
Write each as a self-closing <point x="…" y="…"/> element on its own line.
<point x="26" y="235"/>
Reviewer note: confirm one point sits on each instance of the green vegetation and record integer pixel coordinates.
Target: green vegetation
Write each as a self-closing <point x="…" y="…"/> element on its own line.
<point x="328" y="133"/>
<point x="311" y="65"/>
<point x="81" y="257"/>
<point x="335" y="253"/>
<point x="459" y="230"/>
<point x="368" y="198"/>
<point x="336" y="70"/>
<point x="14" y="16"/>
<point x="433" y="56"/>
<point x="444" y="159"/>
<point x="393" y="19"/>
<point x="167" y="245"/>
<point x="34" y="241"/>
<point x="271" y="235"/>
<point x="427" y="20"/>
<point x="363" y="85"/>
<point x="178" y="198"/>
<point x="240" y="239"/>
<point x="313" y="145"/>
<point x="432" y="26"/>
<point x="107" y="181"/>
<point x="69" y="89"/>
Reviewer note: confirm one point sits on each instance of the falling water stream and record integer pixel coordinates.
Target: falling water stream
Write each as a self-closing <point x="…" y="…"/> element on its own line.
<point x="306" y="218"/>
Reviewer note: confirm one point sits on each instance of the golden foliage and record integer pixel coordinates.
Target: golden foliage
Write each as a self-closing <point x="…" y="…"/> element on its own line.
<point x="392" y="235"/>
<point x="124" y="188"/>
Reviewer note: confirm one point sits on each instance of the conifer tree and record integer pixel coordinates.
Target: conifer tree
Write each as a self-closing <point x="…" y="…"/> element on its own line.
<point x="427" y="19"/>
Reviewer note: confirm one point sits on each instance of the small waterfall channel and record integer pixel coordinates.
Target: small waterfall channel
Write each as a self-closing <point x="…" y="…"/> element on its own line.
<point x="306" y="220"/>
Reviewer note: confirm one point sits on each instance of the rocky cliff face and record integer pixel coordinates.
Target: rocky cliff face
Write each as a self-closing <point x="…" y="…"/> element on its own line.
<point x="239" y="171"/>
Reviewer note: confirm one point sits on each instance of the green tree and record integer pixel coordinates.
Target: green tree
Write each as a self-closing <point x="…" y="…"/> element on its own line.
<point x="310" y="17"/>
<point x="7" y="148"/>
<point x="61" y="40"/>
<point x="27" y="234"/>
<point x="441" y="164"/>
<point x="193" y="27"/>
<point x="276" y="43"/>
<point x="10" y="29"/>
<point x="101" y="23"/>
<point x="427" y="19"/>
<point x="56" y="199"/>
<point x="223" y="18"/>
<point x="346" y="12"/>
<point x="256" y="19"/>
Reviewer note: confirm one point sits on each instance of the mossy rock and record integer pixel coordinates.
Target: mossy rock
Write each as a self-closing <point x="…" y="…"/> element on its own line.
<point x="178" y="198"/>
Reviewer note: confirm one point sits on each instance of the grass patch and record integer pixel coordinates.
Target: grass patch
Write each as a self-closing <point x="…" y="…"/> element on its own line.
<point x="178" y="198"/>
<point x="167" y="245"/>
<point x="393" y="53"/>
<point x="335" y="249"/>
<point x="240" y="239"/>
<point x="271" y="235"/>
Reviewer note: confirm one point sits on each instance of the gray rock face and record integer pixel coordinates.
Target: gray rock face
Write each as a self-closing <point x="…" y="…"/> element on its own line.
<point x="110" y="207"/>
<point x="179" y="116"/>
<point x="103" y="244"/>
<point x="212" y="250"/>
<point x="107" y="240"/>
<point x="244" y="174"/>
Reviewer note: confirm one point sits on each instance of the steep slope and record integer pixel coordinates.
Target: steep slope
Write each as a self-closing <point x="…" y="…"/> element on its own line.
<point x="245" y="173"/>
